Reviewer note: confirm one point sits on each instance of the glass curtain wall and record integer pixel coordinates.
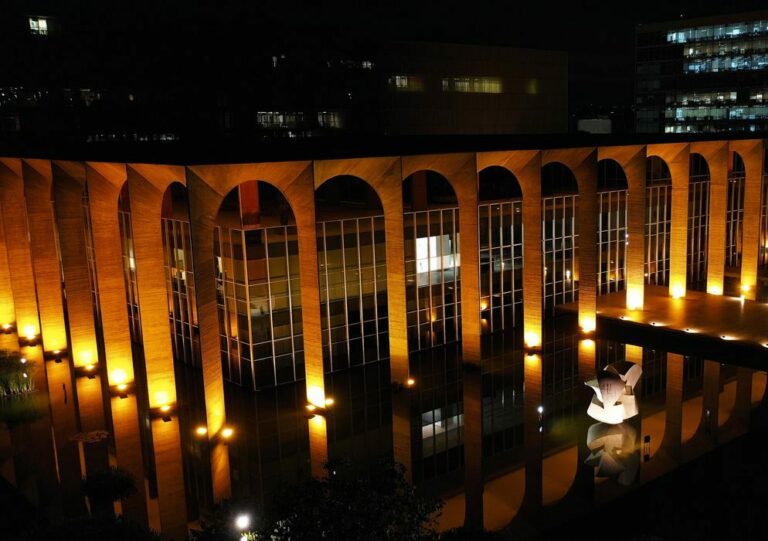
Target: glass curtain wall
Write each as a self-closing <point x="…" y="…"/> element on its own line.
<point x="500" y="233"/>
<point x="658" y="221"/>
<point x="611" y="227"/>
<point x="432" y="261"/>
<point x="180" y="276"/>
<point x="352" y="263"/>
<point x="129" y="264"/>
<point x="257" y="283"/>
<point x="698" y="223"/>
<point x="560" y="235"/>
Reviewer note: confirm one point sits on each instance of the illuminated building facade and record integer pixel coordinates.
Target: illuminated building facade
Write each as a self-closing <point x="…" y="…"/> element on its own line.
<point x="321" y="283"/>
<point x="703" y="75"/>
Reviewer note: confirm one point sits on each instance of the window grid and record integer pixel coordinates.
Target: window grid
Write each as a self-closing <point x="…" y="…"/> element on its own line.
<point x="698" y="226"/>
<point x="353" y="291"/>
<point x="658" y="223"/>
<point x="500" y="228"/>
<point x="129" y="270"/>
<point x="561" y="384"/>
<point x="560" y="239"/>
<point x="612" y="241"/>
<point x="180" y="287"/>
<point x="433" y="296"/>
<point x="734" y="219"/>
<point x="259" y="304"/>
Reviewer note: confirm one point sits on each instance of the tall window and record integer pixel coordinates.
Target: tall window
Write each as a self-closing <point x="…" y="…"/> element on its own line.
<point x="257" y="283"/>
<point x="612" y="227"/>
<point x="129" y="264"/>
<point x="180" y="286"/>
<point x="353" y="274"/>
<point x="735" y="213"/>
<point x="560" y="235"/>
<point x="432" y="261"/>
<point x="698" y="223"/>
<point x="500" y="228"/>
<point x="658" y="221"/>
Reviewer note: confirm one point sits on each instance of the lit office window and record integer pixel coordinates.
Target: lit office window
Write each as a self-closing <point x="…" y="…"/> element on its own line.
<point x="38" y="26"/>
<point x="735" y="212"/>
<point x="329" y="119"/>
<point x="560" y="235"/>
<point x="432" y="261"/>
<point x="407" y="83"/>
<point x="698" y="223"/>
<point x="658" y="221"/>
<point x="473" y="85"/>
<point x="500" y="230"/>
<point x="612" y="227"/>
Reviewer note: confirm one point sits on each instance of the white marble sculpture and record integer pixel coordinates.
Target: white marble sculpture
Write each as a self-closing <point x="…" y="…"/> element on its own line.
<point x="614" y="389"/>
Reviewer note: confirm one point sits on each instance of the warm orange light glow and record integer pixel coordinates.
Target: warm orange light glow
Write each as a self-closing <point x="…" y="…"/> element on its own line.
<point x="23" y="360"/>
<point x="588" y="343"/>
<point x="227" y="433"/>
<point x="678" y="291"/>
<point x="715" y="290"/>
<point x="310" y="407"/>
<point x="6" y="327"/>
<point x="329" y="402"/>
<point x="30" y="332"/>
<point x="118" y="377"/>
<point x="201" y="430"/>
<point x="588" y="324"/>
<point x="532" y="339"/>
<point x="483" y="304"/>
<point x="410" y="382"/>
<point x="165" y="408"/>
<point x="316" y="396"/>
<point x="89" y="367"/>
<point x="746" y="288"/>
<point x="634" y="299"/>
<point x="122" y="387"/>
<point x="162" y="398"/>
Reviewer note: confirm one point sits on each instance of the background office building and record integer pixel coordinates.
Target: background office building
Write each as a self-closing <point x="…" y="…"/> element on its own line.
<point x="703" y="75"/>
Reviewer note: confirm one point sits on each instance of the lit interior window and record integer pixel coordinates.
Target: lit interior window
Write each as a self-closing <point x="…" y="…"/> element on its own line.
<point x="38" y="26"/>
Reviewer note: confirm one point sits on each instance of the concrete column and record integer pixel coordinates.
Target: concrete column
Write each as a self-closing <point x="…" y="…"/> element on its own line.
<point x="753" y="154"/>
<point x="204" y="204"/>
<point x="17" y="248"/>
<point x="45" y="258"/>
<point x="147" y="185"/>
<point x="673" y="429"/>
<point x="533" y="298"/>
<point x="7" y="310"/>
<point x="586" y="177"/>
<point x="105" y="180"/>
<point x="634" y="168"/>
<point x="301" y="197"/>
<point x="68" y="183"/>
<point x="716" y="155"/>
<point x="634" y="354"/>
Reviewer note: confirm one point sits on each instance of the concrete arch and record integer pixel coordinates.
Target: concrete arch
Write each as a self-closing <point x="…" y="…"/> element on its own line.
<point x="208" y="185"/>
<point x="557" y="177"/>
<point x="501" y="179"/>
<point x="611" y="175"/>
<point x="583" y="164"/>
<point x="657" y="171"/>
<point x="525" y="166"/>
<point x="752" y="153"/>
<point x="632" y="160"/>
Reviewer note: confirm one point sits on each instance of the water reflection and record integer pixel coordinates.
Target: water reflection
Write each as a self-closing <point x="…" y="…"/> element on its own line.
<point x="542" y="457"/>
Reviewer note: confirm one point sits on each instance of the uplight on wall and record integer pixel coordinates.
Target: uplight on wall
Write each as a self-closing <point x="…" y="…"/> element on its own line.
<point x="532" y="340"/>
<point x="588" y="324"/>
<point x="678" y="291"/>
<point x="715" y="290"/>
<point x="634" y="299"/>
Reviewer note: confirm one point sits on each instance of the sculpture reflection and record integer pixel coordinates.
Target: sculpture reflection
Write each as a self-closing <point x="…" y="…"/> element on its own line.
<point x="614" y="451"/>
